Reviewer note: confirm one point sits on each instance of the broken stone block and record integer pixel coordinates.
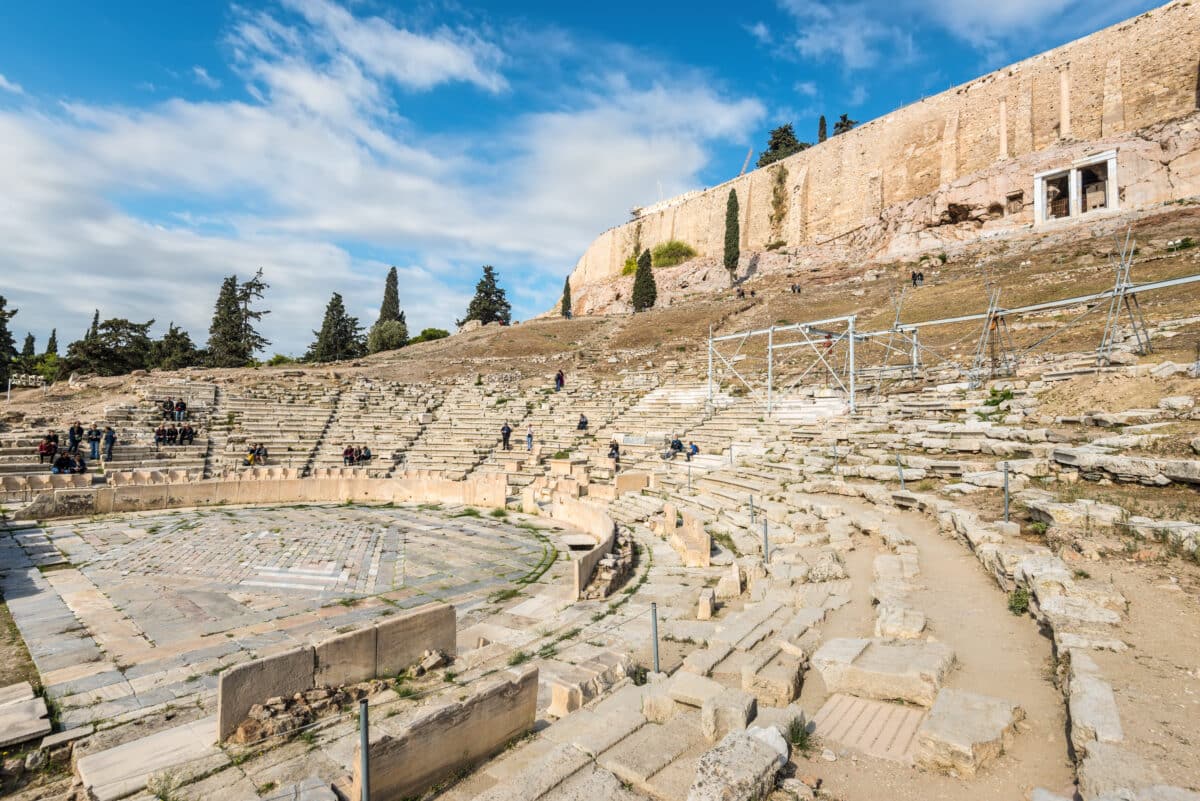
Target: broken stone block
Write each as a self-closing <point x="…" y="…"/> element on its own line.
<point x="730" y="585"/>
<point x="898" y="622"/>
<point x="775" y="683"/>
<point x="693" y="690"/>
<point x="565" y="698"/>
<point x="739" y="768"/>
<point x="708" y="602"/>
<point x="731" y="710"/>
<point x="658" y="708"/>
<point x="1109" y="770"/>
<point x="964" y="731"/>
<point x="910" y="670"/>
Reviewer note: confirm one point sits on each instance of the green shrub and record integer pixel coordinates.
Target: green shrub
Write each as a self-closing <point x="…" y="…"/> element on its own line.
<point x="1038" y="527"/>
<point x="799" y="736"/>
<point x="630" y="266"/>
<point x="670" y="253"/>
<point x="776" y="245"/>
<point x="1018" y="601"/>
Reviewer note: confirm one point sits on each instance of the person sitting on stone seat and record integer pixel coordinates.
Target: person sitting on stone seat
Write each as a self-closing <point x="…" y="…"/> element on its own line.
<point x="160" y="435"/>
<point x="583" y="423"/>
<point x="78" y="465"/>
<point x="187" y="434"/>
<point x="692" y="450"/>
<point x="46" y="451"/>
<point x="62" y="463"/>
<point x="260" y="454"/>
<point x="357" y="455"/>
<point x="172" y="435"/>
<point x="180" y="410"/>
<point x="168" y="408"/>
<point x="348" y="456"/>
<point x="365" y="456"/>
<point x="250" y="456"/>
<point x="674" y="449"/>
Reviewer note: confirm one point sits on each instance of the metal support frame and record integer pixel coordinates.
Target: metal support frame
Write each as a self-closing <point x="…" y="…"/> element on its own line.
<point x="1123" y="299"/>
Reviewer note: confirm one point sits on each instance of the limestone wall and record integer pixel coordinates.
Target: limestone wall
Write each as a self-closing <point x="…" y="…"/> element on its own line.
<point x="487" y="491"/>
<point x="449" y="738"/>
<point x="389" y="646"/>
<point x="595" y="520"/>
<point x="1079" y="98"/>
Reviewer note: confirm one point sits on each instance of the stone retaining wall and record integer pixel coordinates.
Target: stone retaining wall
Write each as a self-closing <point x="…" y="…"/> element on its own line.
<point x="383" y="649"/>
<point x="449" y="738"/>
<point x="596" y="521"/>
<point x="487" y="491"/>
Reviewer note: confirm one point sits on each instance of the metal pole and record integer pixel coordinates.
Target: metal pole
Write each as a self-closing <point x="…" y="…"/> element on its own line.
<point x="850" y="326"/>
<point x="710" y="365"/>
<point x="900" y="469"/>
<point x="653" y="634"/>
<point x="770" y="365"/>
<point x="364" y="746"/>
<point x="766" y="544"/>
<point x="1006" y="492"/>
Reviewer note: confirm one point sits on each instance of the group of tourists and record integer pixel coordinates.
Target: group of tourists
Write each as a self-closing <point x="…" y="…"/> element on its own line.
<point x="352" y="455"/>
<point x="70" y="459"/>
<point x="741" y="293"/>
<point x="675" y="447"/>
<point x="174" y="410"/>
<point x="255" y="455"/>
<point x="918" y="278"/>
<point x="170" y="435"/>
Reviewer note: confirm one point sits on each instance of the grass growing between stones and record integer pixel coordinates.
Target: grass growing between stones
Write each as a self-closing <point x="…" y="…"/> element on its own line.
<point x="800" y="737"/>
<point x="1018" y="601"/>
<point x="15" y="662"/>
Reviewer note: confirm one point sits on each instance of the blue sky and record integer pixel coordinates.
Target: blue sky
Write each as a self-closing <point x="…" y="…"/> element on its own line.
<point x="147" y="149"/>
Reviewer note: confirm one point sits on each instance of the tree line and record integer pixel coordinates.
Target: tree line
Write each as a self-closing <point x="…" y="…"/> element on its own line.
<point x="117" y="346"/>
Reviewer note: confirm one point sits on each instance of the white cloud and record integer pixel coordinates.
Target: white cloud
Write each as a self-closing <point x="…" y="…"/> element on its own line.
<point x="204" y="79"/>
<point x="858" y="95"/>
<point x="318" y="177"/>
<point x="805" y="88"/>
<point x="761" y="32"/>
<point x="8" y="86"/>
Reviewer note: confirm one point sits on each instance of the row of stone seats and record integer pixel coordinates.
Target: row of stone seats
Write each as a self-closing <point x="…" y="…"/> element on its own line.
<point x="129" y="478"/>
<point x="17" y="484"/>
<point x="262" y="473"/>
<point x="340" y="472"/>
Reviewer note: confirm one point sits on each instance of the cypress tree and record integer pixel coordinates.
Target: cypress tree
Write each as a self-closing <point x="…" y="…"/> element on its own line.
<point x="52" y="342"/>
<point x="822" y="133"/>
<point x="566" y="298"/>
<point x="8" y="350"/>
<point x="732" y="235"/>
<point x="390" y="330"/>
<point x="645" y="290"/>
<point x="340" y="336"/>
<point x="28" y="350"/>
<point x="489" y="304"/>
<point x="225" y="348"/>
<point x="94" y="331"/>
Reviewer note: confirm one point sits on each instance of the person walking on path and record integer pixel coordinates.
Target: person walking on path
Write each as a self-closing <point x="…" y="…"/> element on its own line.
<point x="529" y="439"/>
<point x="559" y="381"/>
<point x="505" y="433"/>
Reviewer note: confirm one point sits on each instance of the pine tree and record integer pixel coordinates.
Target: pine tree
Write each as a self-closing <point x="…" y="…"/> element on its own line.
<point x="225" y="348"/>
<point x="52" y="343"/>
<point x="8" y="350"/>
<point x="175" y="350"/>
<point x="822" y="134"/>
<point x="232" y="338"/>
<point x="94" y="331"/>
<point x="247" y="293"/>
<point x="340" y="336"/>
<point x="781" y="144"/>
<point x="645" y="290"/>
<point x="844" y="125"/>
<point x="732" y="235"/>
<point x="489" y="304"/>
<point x="390" y="330"/>
<point x="119" y="347"/>
<point x="566" y="298"/>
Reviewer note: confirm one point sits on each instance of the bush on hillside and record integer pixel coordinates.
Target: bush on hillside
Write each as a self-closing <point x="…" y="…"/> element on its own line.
<point x="670" y="253"/>
<point x="429" y="334"/>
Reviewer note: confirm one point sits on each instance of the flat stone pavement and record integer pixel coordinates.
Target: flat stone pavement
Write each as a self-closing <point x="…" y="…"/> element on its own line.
<point x="126" y="615"/>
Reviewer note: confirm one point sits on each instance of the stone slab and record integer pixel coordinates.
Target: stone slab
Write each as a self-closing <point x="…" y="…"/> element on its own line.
<point x="243" y="686"/>
<point x="876" y="728"/>
<point x="23" y="720"/>
<point x="964" y="731"/>
<point x="910" y="670"/>
<point x="124" y="770"/>
<point x="346" y="659"/>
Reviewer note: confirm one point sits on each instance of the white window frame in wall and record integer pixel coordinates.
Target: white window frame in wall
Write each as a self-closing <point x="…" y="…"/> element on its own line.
<point x="1074" y="182"/>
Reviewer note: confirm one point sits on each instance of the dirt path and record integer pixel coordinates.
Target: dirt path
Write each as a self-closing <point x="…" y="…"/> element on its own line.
<point x="998" y="654"/>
